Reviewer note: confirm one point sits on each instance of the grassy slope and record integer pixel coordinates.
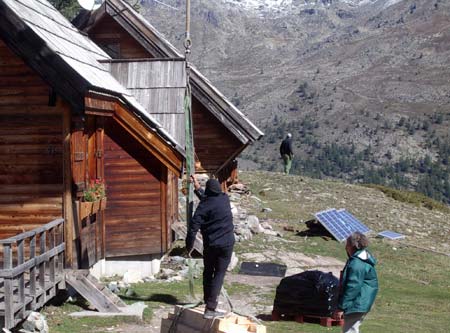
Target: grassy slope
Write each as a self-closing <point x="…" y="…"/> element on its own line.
<point x="414" y="284"/>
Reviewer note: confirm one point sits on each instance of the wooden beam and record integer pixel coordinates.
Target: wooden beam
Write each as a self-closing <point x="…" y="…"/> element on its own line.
<point x="164" y="209"/>
<point x="151" y="141"/>
<point x="99" y="105"/>
<point x="67" y="192"/>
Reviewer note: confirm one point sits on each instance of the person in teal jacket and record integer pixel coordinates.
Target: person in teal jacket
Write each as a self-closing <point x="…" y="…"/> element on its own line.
<point x="359" y="283"/>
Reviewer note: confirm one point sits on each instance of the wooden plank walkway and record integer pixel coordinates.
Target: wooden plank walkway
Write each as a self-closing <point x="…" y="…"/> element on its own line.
<point x="92" y="290"/>
<point x="32" y="271"/>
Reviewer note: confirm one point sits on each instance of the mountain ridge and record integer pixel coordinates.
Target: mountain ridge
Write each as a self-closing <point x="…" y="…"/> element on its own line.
<point x="363" y="78"/>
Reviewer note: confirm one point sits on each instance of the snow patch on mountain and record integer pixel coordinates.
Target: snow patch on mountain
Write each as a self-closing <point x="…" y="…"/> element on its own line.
<point x="283" y="5"/>
<point x="390" y="3"/>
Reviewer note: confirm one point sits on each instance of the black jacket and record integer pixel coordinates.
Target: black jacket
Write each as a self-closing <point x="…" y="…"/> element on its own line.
<point x="286" y="147"/>
<point x="214" y="219"/>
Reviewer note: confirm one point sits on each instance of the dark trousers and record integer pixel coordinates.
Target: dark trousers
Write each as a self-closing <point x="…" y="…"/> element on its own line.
<point x="216" y="261"/>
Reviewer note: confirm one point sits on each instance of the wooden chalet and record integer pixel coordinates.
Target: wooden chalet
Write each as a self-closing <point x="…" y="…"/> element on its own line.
<point x="127" y="36"/>
<point x="65" y="121"/>
<point x="75" y="112"/>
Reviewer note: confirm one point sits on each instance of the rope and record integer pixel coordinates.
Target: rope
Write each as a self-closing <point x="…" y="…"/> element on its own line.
<point x="174" y="324"/>
<point x="190" y="159"/>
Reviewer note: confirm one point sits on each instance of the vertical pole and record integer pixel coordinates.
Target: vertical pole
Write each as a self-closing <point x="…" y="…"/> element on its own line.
<point x="190" y="162"/>
<point x="190" y="168"/>
<point x="67" y="196"/>
<point x="188" y="20"/>
<point x="42" y="250"/>
<point x="33" y="272"/>
<point x="21" y="292"/>
<point x="8" y="287"/>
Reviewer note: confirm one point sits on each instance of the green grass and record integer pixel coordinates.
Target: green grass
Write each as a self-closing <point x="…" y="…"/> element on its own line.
<point x="414" y="284"/>
<point x="414" y="294"/>
<point x="60" y="322"/>
<point x="411" y="197"/>
<point x="414" y="291"/>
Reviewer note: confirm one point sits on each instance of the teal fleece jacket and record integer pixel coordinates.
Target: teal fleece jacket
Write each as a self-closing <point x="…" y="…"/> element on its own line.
<point x="359" y="285"/>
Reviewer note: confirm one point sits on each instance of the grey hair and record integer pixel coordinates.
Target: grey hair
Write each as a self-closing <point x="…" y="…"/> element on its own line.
<point x="358" y="240"/>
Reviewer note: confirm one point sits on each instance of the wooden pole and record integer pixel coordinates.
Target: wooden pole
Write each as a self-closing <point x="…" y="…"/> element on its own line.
<point x="67" y="196"/>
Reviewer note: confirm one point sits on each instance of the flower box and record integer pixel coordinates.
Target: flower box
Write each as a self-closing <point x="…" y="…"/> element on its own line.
<point x="87" y="208"/>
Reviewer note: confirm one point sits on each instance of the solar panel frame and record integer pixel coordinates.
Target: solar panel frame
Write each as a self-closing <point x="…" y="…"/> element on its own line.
<point x="391" y="235"/>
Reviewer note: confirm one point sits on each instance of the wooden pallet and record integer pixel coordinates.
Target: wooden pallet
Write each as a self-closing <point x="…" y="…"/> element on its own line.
<point x="301" y="318"/>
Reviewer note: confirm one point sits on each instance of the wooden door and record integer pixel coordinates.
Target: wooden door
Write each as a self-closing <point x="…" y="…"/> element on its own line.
<point x="134" y="217"/>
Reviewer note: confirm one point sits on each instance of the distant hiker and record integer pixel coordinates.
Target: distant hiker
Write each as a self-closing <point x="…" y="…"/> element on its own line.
<point x="358" y="284"/>
<point x="286" y="153"/>
<point x="214" y="219"/>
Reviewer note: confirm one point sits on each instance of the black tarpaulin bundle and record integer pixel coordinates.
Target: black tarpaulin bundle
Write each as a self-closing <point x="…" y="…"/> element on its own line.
<point x="308" y="293"/>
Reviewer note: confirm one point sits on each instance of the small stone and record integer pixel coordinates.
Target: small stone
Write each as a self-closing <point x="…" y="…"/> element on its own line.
<point x="243" y="216"/>
<point x="112" y="286"/>
<point x="184" y="272"/>
<point x="266" y="225"/>
<point x="177" y="259"/>
<point x="233" y="263"/>
<point x="122" y="285"/>
<point x="234" y="209"/>
<point x="36" y="322"/>
<point x="240" y="188"/>
<point x="271" y="232"/>
<point x="254" y="225"/>
<point x="130" y="292"/>
<point x="166" y="273"/>
<point x="313" y="244"/>
<point x="235" y="197"/>
<point x="177" y="278"/>
<point x="394" y="248"/>
<point x="266" y="210"/>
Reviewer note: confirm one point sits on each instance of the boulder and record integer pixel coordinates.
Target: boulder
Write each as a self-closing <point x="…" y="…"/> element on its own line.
<point x="35" y="322"/>
<point x="254" y="225"/>
<point x="113" y="286"/>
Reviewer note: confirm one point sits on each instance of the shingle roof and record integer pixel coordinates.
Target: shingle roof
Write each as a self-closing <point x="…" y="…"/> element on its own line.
<point x="57" y="50"/>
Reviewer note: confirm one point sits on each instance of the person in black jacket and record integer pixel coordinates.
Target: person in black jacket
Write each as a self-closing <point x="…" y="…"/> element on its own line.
<point x="214" y="219"/>
<point x="286" y="153"/>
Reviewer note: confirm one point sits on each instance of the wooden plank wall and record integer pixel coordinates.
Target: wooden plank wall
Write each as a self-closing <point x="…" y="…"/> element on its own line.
<point x="134" y="217"/>
<point x="160" y="87"/>
<point x="115" y="41"/>
<point x="213" y="143"/>
<point x="31" y="180"/>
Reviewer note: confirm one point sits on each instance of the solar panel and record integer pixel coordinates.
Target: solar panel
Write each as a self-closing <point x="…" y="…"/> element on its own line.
<point x="331" y="220"/>
<point x="391" y="235"/>
<point x="340" y="223"/>
<point x="352" y="222"/>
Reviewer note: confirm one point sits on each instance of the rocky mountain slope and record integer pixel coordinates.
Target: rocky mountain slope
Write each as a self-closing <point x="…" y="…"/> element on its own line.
<point x="366" y="80"/>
